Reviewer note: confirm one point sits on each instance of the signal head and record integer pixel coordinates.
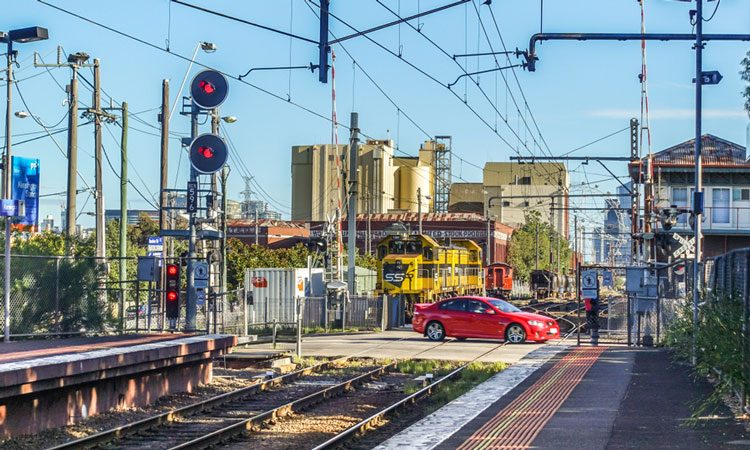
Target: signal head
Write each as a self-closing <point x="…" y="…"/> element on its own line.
<point x="208" y="153"/>
<point x="209" y="89"/>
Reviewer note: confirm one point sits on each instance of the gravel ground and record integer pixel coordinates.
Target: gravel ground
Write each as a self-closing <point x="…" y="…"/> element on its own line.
<point x="229" y="381"/>
<point x="313" y="427"/>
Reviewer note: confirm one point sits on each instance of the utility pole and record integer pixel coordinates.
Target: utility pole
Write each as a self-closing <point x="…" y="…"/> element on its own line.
<point x="191" y="306"/>
<point x="123" y="210"/>
<point x="100" y="252"/>
<point x="164" y="119"/>
<point x="419" y="208"/>
<point x="70" y="207"/>
<point x="352" y="213"/>
<point x="634" y="193"/>
<point x="369" y="222"/>
<point x="487" y="258"/>
<point x="257" y="227"/>
<point x="75" y="61"/>
<point x="7" y="166"/>
<point x="536" y="246"/>
<point x="698" y="195"/>
<point x="554" y="230"/>
<point x="578" y="276"/>
<point x="224" y="176"/>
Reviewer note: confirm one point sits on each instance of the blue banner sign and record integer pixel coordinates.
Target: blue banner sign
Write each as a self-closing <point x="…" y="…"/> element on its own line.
<point x="25" y="187"/>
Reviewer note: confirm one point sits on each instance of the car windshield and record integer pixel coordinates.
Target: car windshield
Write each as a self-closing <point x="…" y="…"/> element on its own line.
<point x="503" y="306"/>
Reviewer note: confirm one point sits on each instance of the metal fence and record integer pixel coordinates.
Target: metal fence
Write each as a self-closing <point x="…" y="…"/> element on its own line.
<point x="58" y="295"/>
<point x="318" y="314"/>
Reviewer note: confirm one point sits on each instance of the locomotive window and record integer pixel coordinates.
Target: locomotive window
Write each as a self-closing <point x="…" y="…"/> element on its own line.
<point x="413" y="247"/>
<point x="473" y="256"/>
<point x="396" y="247"/>
<point x="427" y="253"/>
<point x="382" y="251"/>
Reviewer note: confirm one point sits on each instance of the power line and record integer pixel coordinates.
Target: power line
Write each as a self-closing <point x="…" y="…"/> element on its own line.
<point x="382" y="91"/>
<point x="246" y="22"/>
<point x="185" y="58"/>
<point x="434" y="79"/>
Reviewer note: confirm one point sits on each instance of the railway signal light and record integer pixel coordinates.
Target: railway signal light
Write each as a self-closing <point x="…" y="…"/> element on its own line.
<point x="172" y="294"/>
<point x="208" y="153"/>
<point x="209" y="89"/>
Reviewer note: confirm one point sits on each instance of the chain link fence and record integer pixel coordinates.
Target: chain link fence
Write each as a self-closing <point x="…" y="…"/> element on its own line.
<point x="58" y="295"/>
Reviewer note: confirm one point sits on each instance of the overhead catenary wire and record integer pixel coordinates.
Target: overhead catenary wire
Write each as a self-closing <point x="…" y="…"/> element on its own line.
<point x="48" y="134"/>
<point x="465" y="101"/>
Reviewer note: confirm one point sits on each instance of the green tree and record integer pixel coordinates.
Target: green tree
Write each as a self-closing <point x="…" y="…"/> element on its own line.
<point x="523" y="249"/>
<point x="745" y="75"/>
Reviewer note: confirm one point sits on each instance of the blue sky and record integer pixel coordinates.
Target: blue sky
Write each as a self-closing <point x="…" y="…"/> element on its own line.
<point x="581" y="91"/>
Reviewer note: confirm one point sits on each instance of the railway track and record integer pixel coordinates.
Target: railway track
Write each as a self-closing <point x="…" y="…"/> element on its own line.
<point x="372" y="421"/>
<point x="258" y="402"/>
<point x="221" y="417"/>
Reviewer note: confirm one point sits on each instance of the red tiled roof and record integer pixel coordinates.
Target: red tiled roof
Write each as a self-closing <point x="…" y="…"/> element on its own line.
<point x="715" y="152"/>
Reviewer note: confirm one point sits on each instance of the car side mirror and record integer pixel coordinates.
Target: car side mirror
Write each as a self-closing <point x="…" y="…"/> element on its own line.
<point x="489" y="311"/>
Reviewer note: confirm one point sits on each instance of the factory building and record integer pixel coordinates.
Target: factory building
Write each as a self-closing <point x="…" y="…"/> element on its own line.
<point x="386" y="183"/>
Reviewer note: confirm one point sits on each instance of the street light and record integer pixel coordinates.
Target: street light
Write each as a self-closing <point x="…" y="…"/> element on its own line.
<point x="229" y="119"/>
<point x="21" y="35"/>
<point x="208" y="47"/>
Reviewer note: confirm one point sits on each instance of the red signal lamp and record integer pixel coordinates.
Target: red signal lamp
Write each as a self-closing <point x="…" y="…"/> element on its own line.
<point x="207" y="87"/>
<point x="206" y="152"/>
<point x="172" y="270"/>
<point x="171" y="296"/>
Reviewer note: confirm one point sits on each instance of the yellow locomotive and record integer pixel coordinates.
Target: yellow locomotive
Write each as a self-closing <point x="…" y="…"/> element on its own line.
<point x="421" y="270"/>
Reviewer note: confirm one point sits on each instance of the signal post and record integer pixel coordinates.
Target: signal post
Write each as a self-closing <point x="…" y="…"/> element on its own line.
<point x="208" y="154"/>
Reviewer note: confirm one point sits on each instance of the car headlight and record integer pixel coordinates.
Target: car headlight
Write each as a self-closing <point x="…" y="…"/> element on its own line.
<point x="536" y="323"/>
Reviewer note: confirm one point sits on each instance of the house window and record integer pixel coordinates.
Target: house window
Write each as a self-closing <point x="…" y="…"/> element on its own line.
<point x="720" y="198"/>
<point x="506" y="204"/>
<point x="524" y="181"/>
<point x="679" y="198"/>
<point x="741" y="194"/>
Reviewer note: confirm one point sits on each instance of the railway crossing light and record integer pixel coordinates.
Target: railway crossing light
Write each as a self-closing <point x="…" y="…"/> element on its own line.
<point x="172" y="294"/>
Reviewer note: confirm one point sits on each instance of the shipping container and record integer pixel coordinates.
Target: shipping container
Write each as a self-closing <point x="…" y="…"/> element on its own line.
<point x="274" y="292"/>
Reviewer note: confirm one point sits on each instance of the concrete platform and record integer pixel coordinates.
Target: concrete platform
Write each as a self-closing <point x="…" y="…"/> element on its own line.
<point x="580" y="398"/>
<point x="37" y="348"/>
<point x="58" y="385"/>
<point x="403" y="343"/>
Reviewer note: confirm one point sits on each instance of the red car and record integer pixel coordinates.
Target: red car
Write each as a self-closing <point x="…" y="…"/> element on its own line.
<point x="482" y="317"/>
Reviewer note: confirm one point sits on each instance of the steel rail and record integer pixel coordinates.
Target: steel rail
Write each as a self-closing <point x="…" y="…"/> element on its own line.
<point x="410" y="399"/>
<point x="203" y="405"/>
<point x="249" y="424"/>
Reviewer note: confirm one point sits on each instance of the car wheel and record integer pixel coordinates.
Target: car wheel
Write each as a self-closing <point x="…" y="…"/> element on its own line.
<point x="435" y="331"/>
<point x="515" y="334"/>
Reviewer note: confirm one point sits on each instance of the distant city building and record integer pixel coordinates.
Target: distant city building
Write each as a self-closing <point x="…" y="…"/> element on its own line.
<point x="133" y="215"/>
<point x="612" y="241"/>
<point x="48" y="224"/>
